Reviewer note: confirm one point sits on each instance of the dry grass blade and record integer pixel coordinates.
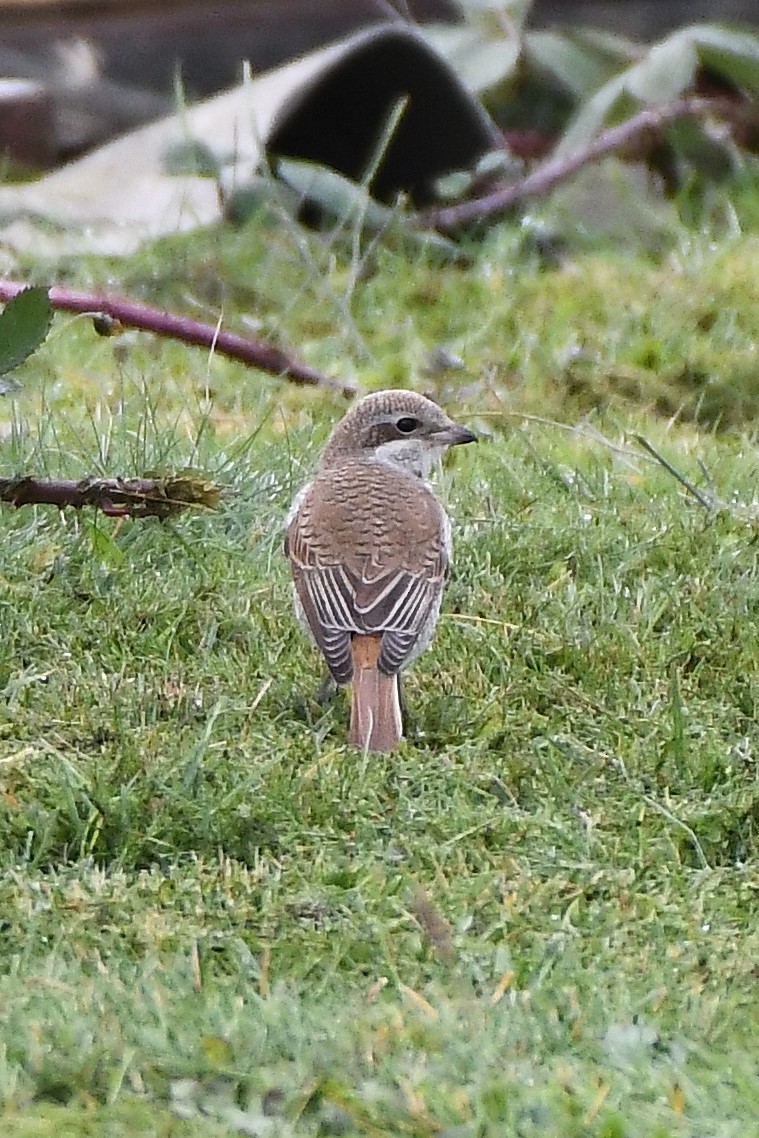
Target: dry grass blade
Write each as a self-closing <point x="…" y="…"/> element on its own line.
<point x="709" y="504"/>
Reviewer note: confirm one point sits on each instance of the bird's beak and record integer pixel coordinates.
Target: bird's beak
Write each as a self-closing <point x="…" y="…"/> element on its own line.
<point x="454" y="435"/>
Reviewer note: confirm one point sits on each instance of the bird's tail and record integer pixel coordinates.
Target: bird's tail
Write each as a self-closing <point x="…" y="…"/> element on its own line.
<point x="376" y="723"/>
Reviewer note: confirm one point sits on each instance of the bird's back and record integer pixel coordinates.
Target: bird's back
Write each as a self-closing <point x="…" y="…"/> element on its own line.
<point x="370" y="511"/>
<point x="369" y="548"/>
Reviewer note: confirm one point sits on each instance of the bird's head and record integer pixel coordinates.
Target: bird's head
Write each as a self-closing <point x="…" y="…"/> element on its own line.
<point x="396" y="426"/>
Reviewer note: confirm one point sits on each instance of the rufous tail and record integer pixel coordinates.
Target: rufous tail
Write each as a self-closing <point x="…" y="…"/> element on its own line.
<point x="376" y="723"/>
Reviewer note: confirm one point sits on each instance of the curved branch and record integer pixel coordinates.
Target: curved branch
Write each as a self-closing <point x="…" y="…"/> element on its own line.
<point x="131" y="313"/>
<point x="556" y="170"/>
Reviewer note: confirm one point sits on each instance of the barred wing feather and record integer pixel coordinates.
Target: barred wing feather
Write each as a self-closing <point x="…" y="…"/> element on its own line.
<point x="339" y="602"/>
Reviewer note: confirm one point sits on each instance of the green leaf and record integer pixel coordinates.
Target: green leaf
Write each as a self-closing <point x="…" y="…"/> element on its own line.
<point x="24" y="324"/>
<point x="344" y="202"/>
<point x="662" y="74"/>
<point x="103" y="546"/>
<point x="480" y="60"/>
<point x="578" y="67"/>
<point x="666" y="71"/>
<point x="612" y="101"/>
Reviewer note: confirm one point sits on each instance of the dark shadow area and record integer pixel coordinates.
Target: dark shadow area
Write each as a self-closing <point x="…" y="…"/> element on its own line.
<point x="338" y="121"/>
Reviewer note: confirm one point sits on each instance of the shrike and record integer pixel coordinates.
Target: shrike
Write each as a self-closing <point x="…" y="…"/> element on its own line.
<point x="369" y="545"/>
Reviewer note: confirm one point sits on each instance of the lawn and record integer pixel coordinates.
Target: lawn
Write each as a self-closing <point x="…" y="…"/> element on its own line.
<point x="538" y="917"/>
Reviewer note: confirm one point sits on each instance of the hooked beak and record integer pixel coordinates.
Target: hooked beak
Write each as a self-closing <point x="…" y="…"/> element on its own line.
<point x="454" y="435"/>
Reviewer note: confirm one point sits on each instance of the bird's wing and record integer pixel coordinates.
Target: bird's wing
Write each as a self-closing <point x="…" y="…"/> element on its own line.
<point x="320" y="592"/>
<point x="338" y="603"/>
<point x="399" y="603"/>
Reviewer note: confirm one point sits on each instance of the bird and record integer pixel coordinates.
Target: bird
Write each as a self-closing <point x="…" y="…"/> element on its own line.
<point x="369" y="546"/>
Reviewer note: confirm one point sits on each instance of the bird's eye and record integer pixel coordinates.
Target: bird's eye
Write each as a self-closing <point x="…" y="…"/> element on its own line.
<point x="407" y="424"/>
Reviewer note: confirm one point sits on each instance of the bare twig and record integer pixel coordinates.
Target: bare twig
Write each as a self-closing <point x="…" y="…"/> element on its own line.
<point x="117" y="497"/>
<point x="132" y="314"/>
<point x="556" y="170"/>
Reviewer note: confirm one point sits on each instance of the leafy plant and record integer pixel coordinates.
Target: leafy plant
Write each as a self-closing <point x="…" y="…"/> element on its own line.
<point x="704" y="58"/>
<point x="555" y="91"/>
<point x="24" y="324"/>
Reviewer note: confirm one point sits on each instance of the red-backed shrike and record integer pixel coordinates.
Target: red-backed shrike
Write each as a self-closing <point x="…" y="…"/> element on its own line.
<point x="369" y="546"/>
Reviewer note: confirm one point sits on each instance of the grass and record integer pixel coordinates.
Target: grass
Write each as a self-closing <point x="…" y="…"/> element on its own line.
<point x="540" y="916"/>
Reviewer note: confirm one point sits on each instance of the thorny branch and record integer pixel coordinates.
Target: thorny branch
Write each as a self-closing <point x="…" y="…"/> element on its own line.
<point x="117" y="497"/>
<point x="131" y="313"/>
<point x="551" y="173"/>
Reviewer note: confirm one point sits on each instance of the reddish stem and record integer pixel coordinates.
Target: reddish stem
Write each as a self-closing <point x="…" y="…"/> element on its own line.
<point x="131" y="313"/>
<point x="556" y="170"/>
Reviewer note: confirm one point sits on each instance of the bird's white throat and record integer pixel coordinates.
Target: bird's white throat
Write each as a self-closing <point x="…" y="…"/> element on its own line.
<point x="416" y="456"/>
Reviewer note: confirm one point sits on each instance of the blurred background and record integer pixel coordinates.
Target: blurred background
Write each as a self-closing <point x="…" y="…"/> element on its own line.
<point x="99" y="67"/>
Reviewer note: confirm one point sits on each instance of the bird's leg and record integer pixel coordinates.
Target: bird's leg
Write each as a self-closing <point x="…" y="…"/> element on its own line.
<point x="410" y="726"/>
<point x="326" y="691"/>
<point x="402" y="697"/>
